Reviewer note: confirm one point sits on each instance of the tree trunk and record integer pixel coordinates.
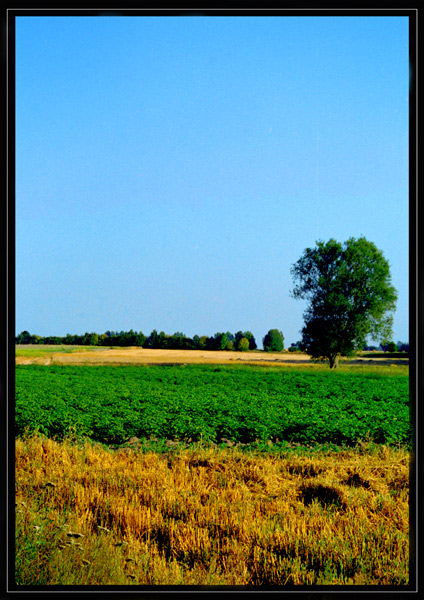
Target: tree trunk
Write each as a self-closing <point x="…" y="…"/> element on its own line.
<point x="334" y="361"/>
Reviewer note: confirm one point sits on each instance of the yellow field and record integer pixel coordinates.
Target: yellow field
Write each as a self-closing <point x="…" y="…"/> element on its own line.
<point x="136" y="355"/>
<point x="89" y="516"/>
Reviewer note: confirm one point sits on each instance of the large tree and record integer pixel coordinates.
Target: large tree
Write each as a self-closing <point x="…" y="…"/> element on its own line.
<point x="350" y="296"/>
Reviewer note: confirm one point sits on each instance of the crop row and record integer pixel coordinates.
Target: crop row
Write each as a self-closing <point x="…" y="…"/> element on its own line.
<point x="192" y="402"/>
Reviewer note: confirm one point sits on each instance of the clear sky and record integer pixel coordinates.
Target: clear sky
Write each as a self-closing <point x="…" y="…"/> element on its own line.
<point x="170" y="170"/>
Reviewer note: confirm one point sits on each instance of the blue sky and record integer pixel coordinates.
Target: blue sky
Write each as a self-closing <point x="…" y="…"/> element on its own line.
<point x="170" y="170"/>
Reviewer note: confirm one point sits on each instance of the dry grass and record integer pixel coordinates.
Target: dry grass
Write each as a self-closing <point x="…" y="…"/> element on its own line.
<point x="209" y="516"/>
<point x="135" y="355"/>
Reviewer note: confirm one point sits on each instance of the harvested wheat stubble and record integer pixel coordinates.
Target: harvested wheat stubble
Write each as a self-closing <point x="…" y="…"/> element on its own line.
<point x="210" y="517"/>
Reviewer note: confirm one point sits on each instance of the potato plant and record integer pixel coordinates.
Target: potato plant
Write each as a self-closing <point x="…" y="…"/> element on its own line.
<point x="192" y="402"/>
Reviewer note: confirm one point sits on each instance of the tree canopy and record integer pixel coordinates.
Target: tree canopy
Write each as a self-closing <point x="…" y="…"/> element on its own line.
<point x="273" y="341"/>
<point x="348" y="287"/>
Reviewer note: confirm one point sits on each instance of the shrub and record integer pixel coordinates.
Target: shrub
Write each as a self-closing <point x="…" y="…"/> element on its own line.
<point x="243" y="345"/>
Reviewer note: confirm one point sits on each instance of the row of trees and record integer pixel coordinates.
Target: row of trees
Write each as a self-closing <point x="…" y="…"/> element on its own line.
<point x="385" y="347"/>
<point x="390" y="347"/>
<point x="240" y="341"/>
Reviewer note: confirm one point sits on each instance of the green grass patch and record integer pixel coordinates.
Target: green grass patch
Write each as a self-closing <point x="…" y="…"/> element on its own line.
<point x="34" y="351"/>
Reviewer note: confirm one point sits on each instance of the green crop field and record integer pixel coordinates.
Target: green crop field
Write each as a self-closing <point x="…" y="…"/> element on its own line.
<point x="244" y="404"/>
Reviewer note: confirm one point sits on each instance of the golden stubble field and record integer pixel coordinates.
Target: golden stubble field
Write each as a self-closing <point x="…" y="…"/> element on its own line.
<point x="86" y="515"/>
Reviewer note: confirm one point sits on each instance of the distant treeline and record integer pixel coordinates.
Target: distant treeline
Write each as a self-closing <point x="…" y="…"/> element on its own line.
<point x="273" y="341"/>
<point x="242" y="340"/>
